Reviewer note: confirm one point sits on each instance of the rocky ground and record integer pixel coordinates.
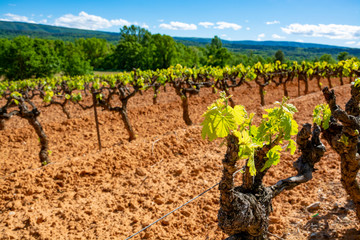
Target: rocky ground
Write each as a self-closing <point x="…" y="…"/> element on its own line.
<point x="111" y="194"/>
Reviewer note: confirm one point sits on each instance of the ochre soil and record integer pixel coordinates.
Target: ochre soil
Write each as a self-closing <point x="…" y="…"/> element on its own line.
<point x="111" y="194"/>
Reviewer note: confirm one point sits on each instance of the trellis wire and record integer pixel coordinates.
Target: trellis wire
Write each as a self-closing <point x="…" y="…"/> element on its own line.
<point x="240" y="170"/>
<point x="172" y="212"/>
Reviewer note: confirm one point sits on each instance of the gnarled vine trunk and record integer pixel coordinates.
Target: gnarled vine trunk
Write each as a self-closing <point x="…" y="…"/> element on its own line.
<point x="124" y="117"/>
<point x="31" y="117"/>
<point x="244" y="210"/>
<point x="185" y="107"/>
<point x="2" y="124"/>
<point x="343" y="137"/>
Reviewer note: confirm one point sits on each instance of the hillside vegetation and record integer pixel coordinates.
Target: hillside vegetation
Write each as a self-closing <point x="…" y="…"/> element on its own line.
<point x="294" y="51"/>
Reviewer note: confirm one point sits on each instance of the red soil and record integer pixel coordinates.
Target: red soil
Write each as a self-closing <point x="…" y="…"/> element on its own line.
<point x="87" y="194"/>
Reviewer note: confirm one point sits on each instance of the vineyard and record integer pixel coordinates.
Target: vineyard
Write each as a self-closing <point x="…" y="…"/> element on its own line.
<point x="117" y="152"/>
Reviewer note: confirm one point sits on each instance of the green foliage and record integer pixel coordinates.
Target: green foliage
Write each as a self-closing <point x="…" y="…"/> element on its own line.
<point x="219" y="120"/>
<point x="343" y="56"/>
<point x="279" y="56"/>
<point x="321" y="115"/>
<point x="24" y="57"/>
<point x="357" y="83"/>
<point x="216" y="54"/>
<point x="277" y="125"/>
<point x="95" y="50"/>
<point x="273" y="157"/>
<point x="74" y="62"/>
<point x="327" y="58"/>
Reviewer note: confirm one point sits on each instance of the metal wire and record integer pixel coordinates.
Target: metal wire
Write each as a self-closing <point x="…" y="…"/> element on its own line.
<point x="172" y="212"/>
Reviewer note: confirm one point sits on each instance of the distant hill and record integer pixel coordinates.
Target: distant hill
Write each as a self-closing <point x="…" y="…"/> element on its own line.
<point x="13" y="29"/>
<point x="204" y="41"/>
<point x="293" y="50"/>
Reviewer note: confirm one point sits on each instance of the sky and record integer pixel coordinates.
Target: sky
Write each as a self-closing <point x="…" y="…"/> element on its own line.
<point x="330" y="22"/>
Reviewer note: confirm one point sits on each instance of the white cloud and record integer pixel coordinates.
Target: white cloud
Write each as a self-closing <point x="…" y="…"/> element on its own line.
<point x="358" y="44"/>
<point x="224" y="36"/>
<point x="277" y="36"/>
<point x="16" y="18"/>
<point x="145" y="26"/>
<point x="260" y="36"/>
<point x="178" y="26"/>
<point x="206" y="24"/>
<point x="299" y="40"/>
<point x="49" y="16"/>
<point x="120" y="22"/>
<point x="248" y="28"/>
<point x="273" y="22"/>
<point x="332" y="31"/>
<point x="350" y="42"/>
<point x="44" y="21"/>
<point x="87" y="21"/>
<point x="223" y="25"/>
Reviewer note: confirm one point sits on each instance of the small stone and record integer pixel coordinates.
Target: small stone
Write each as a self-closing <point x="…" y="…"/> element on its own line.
<point x="165" y="223"/>
<point x="177" y="172"/>
<point x="346" y="219"/>
<point x="159" y="201"/>
<point x="11" y="213"/>
<point x="273" y="220"/>
<point x="313" y="207"/>
<point x="140" y="172"/>
<point x="185" y="213"/>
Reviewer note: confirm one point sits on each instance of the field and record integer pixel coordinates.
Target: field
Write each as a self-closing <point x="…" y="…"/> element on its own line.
<point x="111" y="194"/>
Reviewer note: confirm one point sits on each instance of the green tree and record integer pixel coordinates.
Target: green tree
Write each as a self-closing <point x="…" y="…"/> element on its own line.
<point x="343" y="56"/>
<point x="95" y="50"/>
<point x="74" y="61"/>
<point x="216" y="54"/>
<point x="133" y="49"/>
<point x="24" y="57"/>
<point x="189" y="56"/>
<point x="279" y="56"/>
<point x="327" y="58"/>
<point x="164" y="51"/>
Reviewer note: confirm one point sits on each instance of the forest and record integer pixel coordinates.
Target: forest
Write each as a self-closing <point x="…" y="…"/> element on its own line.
<point x="25" y="57"/>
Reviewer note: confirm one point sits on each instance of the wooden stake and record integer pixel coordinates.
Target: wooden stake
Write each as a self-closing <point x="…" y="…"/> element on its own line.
<point x="96" y="121"/>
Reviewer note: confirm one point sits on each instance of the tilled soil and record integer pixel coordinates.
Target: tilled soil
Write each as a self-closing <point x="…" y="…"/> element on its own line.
<point x="113" y="193"/>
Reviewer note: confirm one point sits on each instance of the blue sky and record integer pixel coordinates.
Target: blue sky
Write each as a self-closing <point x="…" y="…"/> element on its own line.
<point x="317" y="21"/>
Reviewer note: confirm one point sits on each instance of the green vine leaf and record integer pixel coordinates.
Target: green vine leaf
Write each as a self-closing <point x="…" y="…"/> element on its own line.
<point x="219" y="121"/>
<point x="273" y="156"/>
<point x="321" y="115"/>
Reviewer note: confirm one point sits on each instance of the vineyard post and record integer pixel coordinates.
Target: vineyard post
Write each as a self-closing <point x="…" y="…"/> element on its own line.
<point x="96" y="119"/>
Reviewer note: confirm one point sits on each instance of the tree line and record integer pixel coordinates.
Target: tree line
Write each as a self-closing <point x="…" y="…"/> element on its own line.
<point x="24" y="57"/>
